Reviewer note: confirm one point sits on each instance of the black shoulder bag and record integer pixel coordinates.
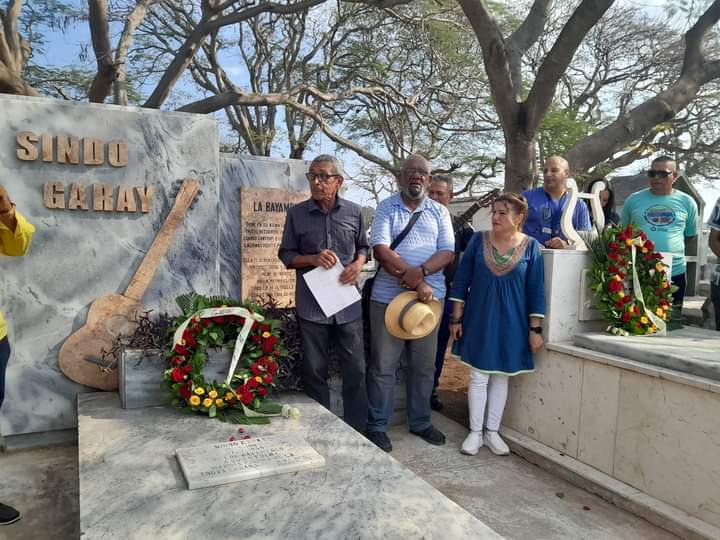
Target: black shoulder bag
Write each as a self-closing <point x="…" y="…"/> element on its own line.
<point x="368" y="285"/>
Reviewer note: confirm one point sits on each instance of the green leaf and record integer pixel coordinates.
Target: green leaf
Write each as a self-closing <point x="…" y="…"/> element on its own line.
<point x="213" y="411"/>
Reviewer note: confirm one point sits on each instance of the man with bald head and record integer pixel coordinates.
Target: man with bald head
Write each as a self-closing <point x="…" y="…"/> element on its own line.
<point x="416" y="263"/>
<point x="546" y="205"/>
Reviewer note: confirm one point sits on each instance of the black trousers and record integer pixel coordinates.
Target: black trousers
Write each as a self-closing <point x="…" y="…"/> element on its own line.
<point x="715" y="299"/>
<point x="346" y="341"/>
<point x="4" y="357"/>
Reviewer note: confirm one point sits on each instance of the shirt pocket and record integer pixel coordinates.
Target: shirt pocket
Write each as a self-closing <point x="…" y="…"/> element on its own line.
<point x="344" y="242"/>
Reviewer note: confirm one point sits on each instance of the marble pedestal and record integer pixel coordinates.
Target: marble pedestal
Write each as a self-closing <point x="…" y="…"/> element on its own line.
<point x="140" y="375"/>
<point x="694" y="351"/>
<point x="131" y="486"/>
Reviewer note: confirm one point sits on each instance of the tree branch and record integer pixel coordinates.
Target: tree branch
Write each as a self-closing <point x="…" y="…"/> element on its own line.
<point x="558" y="59"/>
<point x="496" y="60"/>
<point x="100" y="34"/>
<point x="134" y="19"/>
<point x="226" y="99"/>
<point x="603" y="144"/>
<point x="523" y="38"/>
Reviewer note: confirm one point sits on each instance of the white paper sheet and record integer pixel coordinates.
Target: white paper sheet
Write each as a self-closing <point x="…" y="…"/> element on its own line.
<point x="328" y="291"/>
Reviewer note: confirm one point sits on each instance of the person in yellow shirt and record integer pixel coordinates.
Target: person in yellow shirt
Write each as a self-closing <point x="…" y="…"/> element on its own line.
<point x="15" y="237"/>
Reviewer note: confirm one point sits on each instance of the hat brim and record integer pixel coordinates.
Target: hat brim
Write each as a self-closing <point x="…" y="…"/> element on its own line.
<point x="392" y="315"/>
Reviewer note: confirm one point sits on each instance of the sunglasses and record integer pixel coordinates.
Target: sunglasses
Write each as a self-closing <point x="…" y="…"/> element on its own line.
<point x="659" y="174"/>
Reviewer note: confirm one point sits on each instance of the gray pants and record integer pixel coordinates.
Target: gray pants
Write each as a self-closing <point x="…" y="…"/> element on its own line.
<point x="385" y="353"/>
<point x="347" y="344"/>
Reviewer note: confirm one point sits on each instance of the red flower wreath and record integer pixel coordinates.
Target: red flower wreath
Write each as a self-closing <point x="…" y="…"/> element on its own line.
<point x="254" y="378"/>
<point x="611" y="275"/>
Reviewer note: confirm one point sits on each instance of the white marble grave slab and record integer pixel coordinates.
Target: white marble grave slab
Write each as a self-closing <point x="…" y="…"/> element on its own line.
<point x="233" y="461"/>
<point x="131" y="485"/>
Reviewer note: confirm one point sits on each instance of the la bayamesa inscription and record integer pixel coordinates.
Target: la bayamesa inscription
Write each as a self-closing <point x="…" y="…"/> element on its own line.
<point x="89" y="151"/>
<point x="262" y="218"/>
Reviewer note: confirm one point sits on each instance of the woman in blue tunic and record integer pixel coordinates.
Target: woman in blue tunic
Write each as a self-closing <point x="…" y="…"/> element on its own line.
<point x="498" y="302"/>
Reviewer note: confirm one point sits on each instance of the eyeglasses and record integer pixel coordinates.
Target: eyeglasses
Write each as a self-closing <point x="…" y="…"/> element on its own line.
<point x="416" y="172"/>
<point x="659" y="174"/>
<point x="320" y="177"/>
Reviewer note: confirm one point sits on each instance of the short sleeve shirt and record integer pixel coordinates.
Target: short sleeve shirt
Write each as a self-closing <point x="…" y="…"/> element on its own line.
<point x="666" y="219"/>
<point x="431" y="233"/>
<point x="308" y="230"/>
<point x="544" y="213"/>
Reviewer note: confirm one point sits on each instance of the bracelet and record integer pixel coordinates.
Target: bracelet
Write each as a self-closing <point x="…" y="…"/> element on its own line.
<point x="455" y="320"/>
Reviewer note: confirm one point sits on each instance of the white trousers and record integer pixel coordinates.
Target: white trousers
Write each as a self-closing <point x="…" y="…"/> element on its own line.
<point x="490" y="390"/>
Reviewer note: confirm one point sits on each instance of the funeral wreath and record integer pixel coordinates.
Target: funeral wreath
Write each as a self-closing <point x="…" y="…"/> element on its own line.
<point x="632" y="288"/>
<point x="215" y="323"/>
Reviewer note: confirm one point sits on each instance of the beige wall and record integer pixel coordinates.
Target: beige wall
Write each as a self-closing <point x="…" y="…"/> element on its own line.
<point x="651" y="428"/>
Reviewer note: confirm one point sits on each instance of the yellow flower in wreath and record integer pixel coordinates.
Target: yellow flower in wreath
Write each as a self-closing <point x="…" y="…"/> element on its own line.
<point x="199" y="390"/>
<point x="644" y="320"/>
<point x="212" y="394"/>
<point x="266" y="335"/>
<point x="228" y="396"/>
<point x="258" y="379"/>
<point x="666" y="307"/>
<point x="659" y="266"/>
<point x="659" y="312"/>
<point x="629" y="242"/>
<point x="617" y="277"/>
<point x="665" y="284"/>
<point x="219" y="402"/>
<point x="207" y="402"/>
<point x="194" y="401"/>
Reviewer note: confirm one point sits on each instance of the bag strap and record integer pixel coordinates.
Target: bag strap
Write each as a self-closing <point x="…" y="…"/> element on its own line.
<point x="400" y="237"/>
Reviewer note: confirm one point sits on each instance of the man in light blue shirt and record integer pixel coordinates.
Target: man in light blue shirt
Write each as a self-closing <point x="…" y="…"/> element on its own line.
<point x="415" y="264"/>
<point x="547" y="203"/>
<point x="667" y="216"/>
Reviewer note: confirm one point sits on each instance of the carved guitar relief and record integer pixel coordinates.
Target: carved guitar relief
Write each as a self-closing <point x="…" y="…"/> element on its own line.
<point x="114" y="314"/>
<point x="566" y="224"/>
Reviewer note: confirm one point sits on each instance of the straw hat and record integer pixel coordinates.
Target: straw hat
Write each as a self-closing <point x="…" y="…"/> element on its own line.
<point x="408" y="318"/>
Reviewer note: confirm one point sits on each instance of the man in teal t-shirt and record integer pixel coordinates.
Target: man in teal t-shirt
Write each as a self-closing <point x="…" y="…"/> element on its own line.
<point x="667" y="216"/>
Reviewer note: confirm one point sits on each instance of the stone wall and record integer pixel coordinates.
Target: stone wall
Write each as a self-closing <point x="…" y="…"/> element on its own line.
<point x="79" y="255"/>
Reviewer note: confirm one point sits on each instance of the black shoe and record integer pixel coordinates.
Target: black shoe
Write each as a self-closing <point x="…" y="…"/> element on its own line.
<point x="8" y="514"/>
<point x="431" y="435"/>
<point x="435" y="403"/>
<point x="379" y="439"/>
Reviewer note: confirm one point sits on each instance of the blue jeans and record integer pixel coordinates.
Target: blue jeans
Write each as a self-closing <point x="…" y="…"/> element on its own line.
<point x="442" y="341"/>
<point x="385" y="352"/>
<point x="4" y="357"/>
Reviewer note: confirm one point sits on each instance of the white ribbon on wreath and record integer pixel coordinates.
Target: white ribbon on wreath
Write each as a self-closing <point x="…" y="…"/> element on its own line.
<point x="250" y="319"/>
<point x="637" y="291"/>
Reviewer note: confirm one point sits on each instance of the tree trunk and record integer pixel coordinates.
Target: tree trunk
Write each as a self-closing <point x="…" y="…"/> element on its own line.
<point x="519" y="163"/>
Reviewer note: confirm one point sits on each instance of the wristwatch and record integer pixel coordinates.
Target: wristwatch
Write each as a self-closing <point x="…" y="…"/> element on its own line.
<point x="425" y="270"/>
<point x="536" y="329"/>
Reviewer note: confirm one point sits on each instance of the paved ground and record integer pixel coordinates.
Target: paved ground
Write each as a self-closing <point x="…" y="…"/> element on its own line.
<point x="43" y="485"/>
<point x="509" y="494"/>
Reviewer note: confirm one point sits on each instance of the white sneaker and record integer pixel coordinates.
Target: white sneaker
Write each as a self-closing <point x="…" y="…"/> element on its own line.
<point x="472" y="443"/>
<point x="494" y="442"/>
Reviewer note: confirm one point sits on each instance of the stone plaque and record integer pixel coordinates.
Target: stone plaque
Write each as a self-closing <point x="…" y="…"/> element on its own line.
<point x="262" y="218"/>
<point x="223" y="463"/>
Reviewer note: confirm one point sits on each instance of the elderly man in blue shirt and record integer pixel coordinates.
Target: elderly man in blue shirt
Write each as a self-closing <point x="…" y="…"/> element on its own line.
<point x="415" y="264"/>
<point x="547" y="203"/>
